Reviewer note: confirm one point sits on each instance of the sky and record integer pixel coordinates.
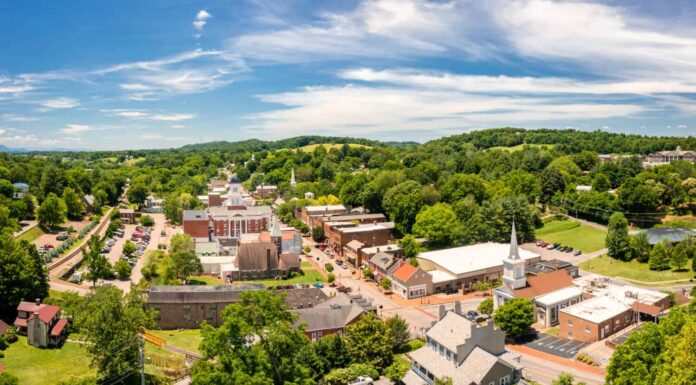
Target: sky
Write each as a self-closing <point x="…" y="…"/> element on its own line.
<point x="131" y="74"/>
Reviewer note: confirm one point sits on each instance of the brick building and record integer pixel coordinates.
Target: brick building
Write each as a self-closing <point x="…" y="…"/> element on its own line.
<point x="327" y="221"/>
<point x="306" y="213"/>
<point x="333" y="316"/>
<point x="411" y="282"/>
<point x="266" y="190"/>
<point x="225" y="222"/>
<point x="369" y="235"/>
<point x="127" y="215"/>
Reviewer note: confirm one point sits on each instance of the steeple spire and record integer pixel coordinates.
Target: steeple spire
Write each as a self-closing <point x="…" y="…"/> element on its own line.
<point x="275" y="232"/>
<point x="514" y="251"/>
<point x="293" y="183"/>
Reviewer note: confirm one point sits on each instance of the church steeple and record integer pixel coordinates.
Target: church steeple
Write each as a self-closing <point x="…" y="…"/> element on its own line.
<point x="514" y="274"/>
<point x="293" y="183"/>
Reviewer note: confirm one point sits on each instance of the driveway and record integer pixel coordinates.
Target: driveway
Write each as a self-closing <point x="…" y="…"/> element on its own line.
<point x="557" y="346"/>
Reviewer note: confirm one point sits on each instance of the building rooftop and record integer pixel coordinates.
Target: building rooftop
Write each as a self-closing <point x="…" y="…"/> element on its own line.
<point x="441" y="276"/>
<point x="355" y="244"/>
<point x="561" y="295"/>
<point x="451" y="331"/>
<point x="207" y="248"/>
<point x="198" y="293"/>
<point x="597" y="309"/>
<point x="195" y="215"/>
<point x="383" y="260"/>
<point x="468" y="259"/>
<point x="544" y="284"/>
<point x="320" y="209"/>
<point x="376" y="249"/>
<point x="367" y="228"/>
<point x="404" y="272"/>
<point x="333" y="314"/>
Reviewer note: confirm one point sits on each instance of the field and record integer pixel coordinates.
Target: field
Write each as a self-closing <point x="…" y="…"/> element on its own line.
<point x="633" y="270"/>
<point x="329" y="146"/>
<point x="32" y="235"/>
<point x="519" y="147"/>
<point x="36" y="366"/>
<point x="573" y="234"/>
<point x="310" y="276"/>
<point x="188" y="340"/>
<point x="162" y="362"/>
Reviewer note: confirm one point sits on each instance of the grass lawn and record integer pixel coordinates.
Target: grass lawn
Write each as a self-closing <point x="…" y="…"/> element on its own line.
<point x="310" y="276"/>
<point x="32" y="235"/>
<point x="519" y="147"/>
<point x="162" y="362"/>
<point x="635" y="270"/>
<point x="183" y="339"/>
<point x="36" y="366"/>
<point x="573" y="234"/>
<point x="306" y="264"/>
<point x="329" y="146"/>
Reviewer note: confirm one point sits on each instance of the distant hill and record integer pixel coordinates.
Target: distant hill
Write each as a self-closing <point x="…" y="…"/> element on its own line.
<point x="291" y="143"/>
<point x="4" y="148"/>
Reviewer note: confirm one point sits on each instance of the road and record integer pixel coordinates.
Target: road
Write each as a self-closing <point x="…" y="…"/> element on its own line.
<point x="546" y="372"/>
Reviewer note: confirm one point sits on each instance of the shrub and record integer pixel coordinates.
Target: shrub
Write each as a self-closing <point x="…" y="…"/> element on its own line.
<point x="10" y="335"/>
<point x="367" y="273"/>
<point x="3" y="343"/>
<point x="344" y="375"/>
<point x="147" y="220"/>
<point x="329" y="267"/>
<point x="307" y="249"/>
<point x="331" y="277"/>
<point x="385" y="283"/>
<point x="122" y="269"/>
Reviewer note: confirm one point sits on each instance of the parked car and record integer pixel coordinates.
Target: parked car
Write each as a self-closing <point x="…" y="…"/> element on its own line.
<point x="550" y="247"/>
<point x="105" y="250"/>
<point x="318" y="285"/>
<point x="569" y="249"/>
<point x="47" y="246"/>
<point x="451" y="290"/>
<point x="543" y="244"/>
<point x="471" y="315"/>
<point x="61" y="237"/>
<point x="577" y="252"/>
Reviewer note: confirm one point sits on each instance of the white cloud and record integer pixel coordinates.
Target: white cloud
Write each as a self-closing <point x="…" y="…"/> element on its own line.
<point x="172" y="117"/>
<point x="17" y="118"/>
<point x="201" y="19"/>
<point x="75" y="129"/>
<point x="134" y="87"/>
<point x="178" y="126"/>
<point x="60" y="103"/>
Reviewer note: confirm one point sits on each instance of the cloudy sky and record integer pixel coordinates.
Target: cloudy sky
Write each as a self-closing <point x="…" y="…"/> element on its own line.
<point x="163" y="73"/>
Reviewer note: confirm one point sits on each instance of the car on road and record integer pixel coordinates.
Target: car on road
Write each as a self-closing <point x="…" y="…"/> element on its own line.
<point x="318" y="285"/>
<point x="550" y="246"/>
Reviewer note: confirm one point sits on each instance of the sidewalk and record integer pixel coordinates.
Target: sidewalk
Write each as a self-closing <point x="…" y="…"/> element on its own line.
<point x="558" y="360"/>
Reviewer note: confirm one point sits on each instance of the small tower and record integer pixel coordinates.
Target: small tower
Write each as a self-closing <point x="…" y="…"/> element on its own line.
<point x="277" y="237"/>
<point x="252" y="157"/>
<point x="514" y="274"/>
<point x="293" y="183"/>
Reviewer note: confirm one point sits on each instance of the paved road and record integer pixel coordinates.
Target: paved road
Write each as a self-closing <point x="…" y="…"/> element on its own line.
<point x="546" y="372"/>
<point x="26" y="226"/>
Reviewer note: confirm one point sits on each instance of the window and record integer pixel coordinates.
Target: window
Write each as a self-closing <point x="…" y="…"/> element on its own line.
<point x="505" y="380"/>
<point x="587" y="329"/>
<point x="187" y="312"/>
<point x="570" y="323"/>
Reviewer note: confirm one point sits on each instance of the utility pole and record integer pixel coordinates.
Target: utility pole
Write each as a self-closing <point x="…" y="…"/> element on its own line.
<point x="142" y="360"/>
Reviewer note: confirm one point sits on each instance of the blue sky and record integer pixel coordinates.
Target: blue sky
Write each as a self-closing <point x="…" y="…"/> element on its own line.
<point x="153" y="74"/>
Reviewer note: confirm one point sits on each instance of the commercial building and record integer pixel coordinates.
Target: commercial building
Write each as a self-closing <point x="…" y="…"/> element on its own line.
<point x="383" y="265"/>
<point x="409" y="281"/>
<point x="368" y="235"/>
<point x="467" y="352"/>
<point x="326" y="221"/>
<point x="266" y="190"/>
<point x="127" y="215"/>
<point x="306" y="213"/>
<point x="665" y="157"/>
<point x="225" y="222"/>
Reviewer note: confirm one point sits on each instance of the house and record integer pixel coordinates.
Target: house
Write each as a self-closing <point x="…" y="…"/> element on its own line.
<point x="185" y="307"/>
<point x="383" y="264"/>
<point x="467" y="352"/>
<point x="368" y="252"/>
<point x="333" y="316"/>
<point x="266" y="191"/>
<point x="409" y="281"/>
<point x="20" y="189"/>
<point x="88" y="202"/>
<point x="369" y="235"/>
<point x="461" y="267"/>
<point x="41" y="324"/>
<point x="127" y="215"/>
<point x="153" y="204"/>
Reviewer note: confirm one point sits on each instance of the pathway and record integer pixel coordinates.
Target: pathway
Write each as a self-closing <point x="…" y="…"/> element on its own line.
<point x="28" y="226"/>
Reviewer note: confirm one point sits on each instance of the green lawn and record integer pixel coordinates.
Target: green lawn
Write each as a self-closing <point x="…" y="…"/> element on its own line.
<point x="183" y="339"/>
<point x="519" y="147"/>
<point x="32" y="235"/>
<point x="310" y="276"/>
<point x="306" y="264"/>
<point x="162" y="362"/>
<point x="635" y="270"/>
<point x="573" y="234"/>
<point x="36" y="366"/>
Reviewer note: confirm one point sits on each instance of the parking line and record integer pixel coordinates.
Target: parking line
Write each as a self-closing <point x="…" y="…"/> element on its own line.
<point x="560" y="348"/>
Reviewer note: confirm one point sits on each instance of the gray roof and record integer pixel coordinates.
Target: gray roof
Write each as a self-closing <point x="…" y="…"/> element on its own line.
<point x="333" y="314"/>
<point x="472" y="371"/>
<point x="195" y="215"/>
<point x="451" y="331"/>
<point x="198" y="293"/>
<point x="303" y="298"/>
<point x="383" y="259"/>
<point x="673" y="234"/>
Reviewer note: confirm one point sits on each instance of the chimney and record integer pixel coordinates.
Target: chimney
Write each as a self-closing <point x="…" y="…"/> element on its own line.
<point x="458" y="307"/>
<point x="38" y="302"/>
<point x="442" y="311"/>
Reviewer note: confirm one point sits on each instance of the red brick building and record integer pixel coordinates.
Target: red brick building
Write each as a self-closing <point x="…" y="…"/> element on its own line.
<point x="306" y="213"/>
<point x="226" y="222"/>
<point x="368" y="235"/>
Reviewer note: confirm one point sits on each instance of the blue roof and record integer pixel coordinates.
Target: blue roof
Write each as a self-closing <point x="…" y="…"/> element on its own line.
<point x="21" y="185"/>
<point x="672" y="234"/>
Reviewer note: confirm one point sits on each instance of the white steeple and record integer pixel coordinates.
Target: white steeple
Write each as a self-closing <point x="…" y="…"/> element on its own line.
<point x="514" y="274"/>
<point x="293" y="183"/>
<point x="275" y="232"/>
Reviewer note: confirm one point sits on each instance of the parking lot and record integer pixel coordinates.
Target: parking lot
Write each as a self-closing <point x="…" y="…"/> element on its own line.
<point x="557" y="346"/>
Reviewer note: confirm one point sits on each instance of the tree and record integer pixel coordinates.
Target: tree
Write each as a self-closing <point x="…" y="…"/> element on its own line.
<point x="678" y="363"/>
<point x="341" y="376"/>
<point x="640" y="247"/>
<point x="459" y="186"/>
<point x="73" y="203"/>
<point x="402" y="203"/>
<point x="257" y="343"/>
<point x="617" y="240"/>
<point x="97" y="265"/>
<point x="369" y="341"/>
<point x="637" y="197"/>
<point x="23" y="274"/>
<point x="52" y="211"/>
<point x="385" y="284"/>
<point x="110" y="328"/>
<point x="129" y="248"/>
<point x="333" y="351"/>
<point x="330" y="277"/>
<point x="601" y="183"/>
<point x="660" y="256"/>
<point x="399" y="332"/>
<point x="367" y="273"/>
<point x="137" y="193"/>
<point x="8" y="379"/>
<point x="318" y="234"/>
<point x="566" y="379"/>
<point x="6" y="221"/>
<point x="443" y="381"/>
<point x="185" y="264"/>
<point x="410" y="246"/>
<point x="551" y="183"/>
<point x="514" y="316"/>
<point x="181" y="242"/>
<point x="396" y="371"/>
<point x="679" y="257"/>
<point x="439" y="224"/>
<point x="122" y="269"/>
<point x="147" y="221"/>
<point x="486" y="306"/>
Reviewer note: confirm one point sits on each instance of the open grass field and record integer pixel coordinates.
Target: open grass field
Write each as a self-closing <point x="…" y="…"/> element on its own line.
<point x="188" y="340"/>
<point x="519" y="147"/>
<point x="634" y="270"/>
<point x="573" y="234"/>
<point x="329" y="146"/>
<point x="310" y="276"/>
<point x="32" y="235"/>
<point x="36" y="366"/>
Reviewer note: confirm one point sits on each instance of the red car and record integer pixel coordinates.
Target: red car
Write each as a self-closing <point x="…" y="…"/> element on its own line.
<point x="47" y="246"/>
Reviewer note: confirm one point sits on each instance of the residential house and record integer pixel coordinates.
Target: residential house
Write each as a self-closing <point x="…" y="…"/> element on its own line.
<point x="368" y="252"/>
<point x="333" y="316"/>
<point x="383" y="265"/>
<point x="88" y="202"/>
<point x="21" y="188"/>
<point x="41" y="324"/>
<point x="467" y="352"/>
<point x="409" y="281"/>
<point x="154" y="204"/>
<point x="127" y="215"/>
<point x="3" y="327"/>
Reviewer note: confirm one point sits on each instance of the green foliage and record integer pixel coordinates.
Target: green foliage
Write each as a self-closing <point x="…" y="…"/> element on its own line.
<point x="344" y="375"/>
<point x="460" y="186"/>
<point x="660" y="256"/>
<point x="385" y="284"/>
<point x="98" y="266"/>
<point x="601" y="183"/>
<point x="122" y="270"/>
<point x="400" y="335"/>
<point x="318" y="234"/>
<point x="181" y="243"/>
<point x="439" y="224"/>
<point x="137" y="193"/>
<point x="402" y="203"/>
<point x="52" y="211"/>
<point x="410" y="246"/>
<point x="328" y="267"/>
<point x="147" y="221"/>
<point x="486" y="306"/>
<point x="396" y="371"/>
<point x="73" y="203"/>
<point x="10" y="335"/>
<point x="515" y="316"/>
<point x="331" y="277"/>
<point x="129" y="248"/>
<point x="566" y="379"/>
<point x="552" y="182"/>
<point x="23" y="274"/>
<point x="369" y="341"/>
<point x="640" y="247"/>
<point x="185" y="264"/>
<point x="367" y="273"/>
<point x="443" y="381"/>
<point x="617" y="242"/>
<point x="8" y="379"/>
